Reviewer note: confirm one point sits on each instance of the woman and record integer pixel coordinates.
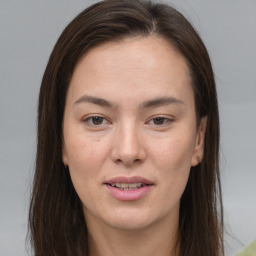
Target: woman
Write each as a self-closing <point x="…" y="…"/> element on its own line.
<point x="128" y="138"/>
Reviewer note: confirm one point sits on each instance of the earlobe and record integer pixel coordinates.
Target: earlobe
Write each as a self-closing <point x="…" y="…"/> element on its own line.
<point x="199" y="143"/>
<point x="64" y="155"/>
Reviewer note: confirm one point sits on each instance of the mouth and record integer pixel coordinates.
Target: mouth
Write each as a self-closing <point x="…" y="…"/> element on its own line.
<point x="125" y="186"/>
<point x="129" y="188"/>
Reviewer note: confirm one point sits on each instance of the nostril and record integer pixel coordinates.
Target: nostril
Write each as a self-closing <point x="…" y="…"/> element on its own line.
<point x="128" y="153"/>
<point x="128" y="162"/>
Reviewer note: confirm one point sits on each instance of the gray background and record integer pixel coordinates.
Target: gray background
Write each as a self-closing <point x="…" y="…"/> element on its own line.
<point x="28" y="31"/>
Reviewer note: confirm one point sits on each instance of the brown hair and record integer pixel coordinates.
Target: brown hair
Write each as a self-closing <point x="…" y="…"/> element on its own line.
<point x="56" y="220"/>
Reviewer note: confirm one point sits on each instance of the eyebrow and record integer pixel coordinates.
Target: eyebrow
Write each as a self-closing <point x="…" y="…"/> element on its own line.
<point x="157" y="102"/>
<point x="94" y="100"/>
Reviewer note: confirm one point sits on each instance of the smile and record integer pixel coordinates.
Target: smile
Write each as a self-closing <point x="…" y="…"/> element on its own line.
<point x="128" y="188"/>
<point x="124" y="186"/>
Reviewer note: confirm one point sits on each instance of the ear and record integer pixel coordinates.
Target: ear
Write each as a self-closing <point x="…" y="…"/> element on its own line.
<point x="64" y="154"/>
<point x="198" y="152"/>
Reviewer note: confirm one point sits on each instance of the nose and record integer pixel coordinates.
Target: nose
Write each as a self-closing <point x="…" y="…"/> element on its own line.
<point x="128" y="146"/>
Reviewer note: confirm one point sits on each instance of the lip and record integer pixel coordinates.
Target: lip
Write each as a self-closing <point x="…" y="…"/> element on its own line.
<point x="129" y="195"/>
<point x="129" y="180"/>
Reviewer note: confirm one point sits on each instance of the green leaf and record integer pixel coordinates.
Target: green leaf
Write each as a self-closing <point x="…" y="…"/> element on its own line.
<point x="250" y="250"/>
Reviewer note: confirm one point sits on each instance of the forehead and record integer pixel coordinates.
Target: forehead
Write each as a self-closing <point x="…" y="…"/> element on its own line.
<point x="145" y="66"/>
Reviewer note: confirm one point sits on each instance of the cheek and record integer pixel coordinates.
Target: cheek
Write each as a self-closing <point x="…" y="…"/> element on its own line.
<point x="174" y="163"/>
<point x="174" y="153"/>
<point x="172" y="158"/>
<point x="85" y="153"/>
<point x="85" y="159"/>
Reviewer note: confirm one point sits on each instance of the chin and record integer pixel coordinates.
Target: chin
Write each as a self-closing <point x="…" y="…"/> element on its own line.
<point x="129" y="224"/>
<point x="130" y="219"/>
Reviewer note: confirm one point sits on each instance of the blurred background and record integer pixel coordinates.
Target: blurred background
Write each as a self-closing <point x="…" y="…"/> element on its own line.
<point x="28" y="32"/>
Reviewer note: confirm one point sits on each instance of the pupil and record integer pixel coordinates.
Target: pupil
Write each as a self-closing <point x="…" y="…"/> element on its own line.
<point x="97" y="120"/>
<point x="159" y="120"/>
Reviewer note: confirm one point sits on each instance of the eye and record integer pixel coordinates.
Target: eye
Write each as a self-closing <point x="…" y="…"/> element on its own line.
<point x="95" y="120"/>
<point x="160" y="121"/>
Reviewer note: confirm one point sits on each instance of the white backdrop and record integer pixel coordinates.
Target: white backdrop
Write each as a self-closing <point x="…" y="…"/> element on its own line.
<point x="28" y="32"/>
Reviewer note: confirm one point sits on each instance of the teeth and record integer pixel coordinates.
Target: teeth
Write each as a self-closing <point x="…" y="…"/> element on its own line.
<point x="124" y="186"/>
<point x="134" y="185"/>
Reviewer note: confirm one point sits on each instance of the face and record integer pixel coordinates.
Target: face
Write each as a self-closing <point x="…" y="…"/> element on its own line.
<point x="130" y="134"/>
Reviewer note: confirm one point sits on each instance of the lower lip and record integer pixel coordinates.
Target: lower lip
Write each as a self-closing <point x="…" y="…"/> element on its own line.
<point x="129" y="195"/>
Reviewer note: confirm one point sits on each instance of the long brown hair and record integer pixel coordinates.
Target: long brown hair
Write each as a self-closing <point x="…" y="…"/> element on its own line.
<point x="56" y="221"/>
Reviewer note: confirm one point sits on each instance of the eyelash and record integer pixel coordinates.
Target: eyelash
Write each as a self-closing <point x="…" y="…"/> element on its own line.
<point x="89" y="121"/>
<point x="165" y="119"/>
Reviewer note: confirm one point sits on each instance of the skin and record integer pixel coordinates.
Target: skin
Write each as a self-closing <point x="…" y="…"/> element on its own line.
<point x="128" y="140"/>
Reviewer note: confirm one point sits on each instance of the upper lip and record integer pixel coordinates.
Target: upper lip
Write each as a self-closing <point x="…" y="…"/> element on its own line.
<point x="129" y="180"/>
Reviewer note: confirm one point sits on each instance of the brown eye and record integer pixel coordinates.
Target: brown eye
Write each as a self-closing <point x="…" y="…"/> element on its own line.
<point x="159" y="120"/>
<point x="97" y="120"/>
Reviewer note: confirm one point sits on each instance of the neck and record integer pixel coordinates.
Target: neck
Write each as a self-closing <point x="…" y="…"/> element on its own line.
<point x="150" y="241"/>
